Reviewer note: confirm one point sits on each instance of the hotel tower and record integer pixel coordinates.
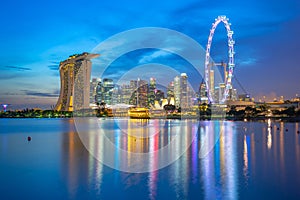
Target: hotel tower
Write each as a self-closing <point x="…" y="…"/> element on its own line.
<point x="75" y="73"/>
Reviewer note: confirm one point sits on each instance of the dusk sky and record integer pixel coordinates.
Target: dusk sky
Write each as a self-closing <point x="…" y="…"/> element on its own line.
<point x="36" y="35"/>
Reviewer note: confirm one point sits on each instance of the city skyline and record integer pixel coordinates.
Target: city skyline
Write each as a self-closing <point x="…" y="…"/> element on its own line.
<point x="37" y="37"/>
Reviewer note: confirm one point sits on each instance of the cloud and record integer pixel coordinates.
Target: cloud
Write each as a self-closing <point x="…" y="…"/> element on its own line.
<point x="10" y="94"/>
<point x="53" y="67"/>
<point x="17" y="68"/>
<point x="248" y="61"/>
<point x="152" y="56"/>
<point x="4" y="76"/>
<point x="41" y="94"/>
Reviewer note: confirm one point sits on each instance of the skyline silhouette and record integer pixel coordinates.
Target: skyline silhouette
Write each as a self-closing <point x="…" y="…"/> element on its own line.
<point x="37" y="37"/>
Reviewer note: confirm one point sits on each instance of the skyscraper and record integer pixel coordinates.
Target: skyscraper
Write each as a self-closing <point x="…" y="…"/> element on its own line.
<point x="93" y="89"/>
<point x="221" y="91"/>
<point x="139" y="94"/>
<point x="104" y="91"/>
<point x="203" y="93"/>
<point x="152" y="88"/>
<point x="184" y="94"/>
<point x="142" y="93"/>
<point x="177" y="91"/>
<point x="170" y="92"/>
<point x="75" y="75"/>
<point x="126" y="93"/>
<point x="108" y="86"/>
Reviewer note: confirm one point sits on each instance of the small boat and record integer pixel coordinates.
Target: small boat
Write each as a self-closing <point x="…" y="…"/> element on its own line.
<point x="139" y="113"/>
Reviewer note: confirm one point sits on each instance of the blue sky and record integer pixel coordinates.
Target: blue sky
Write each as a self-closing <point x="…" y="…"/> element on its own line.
<point x="36" y="35"/>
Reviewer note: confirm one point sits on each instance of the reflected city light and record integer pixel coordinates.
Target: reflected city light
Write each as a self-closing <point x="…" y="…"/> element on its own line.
<point x="297" y="144"/>
<point x="218" y="175"/>
<point x="225" y="154"/>
<point x="269" y="139"/>
<point x="245" y="169"/>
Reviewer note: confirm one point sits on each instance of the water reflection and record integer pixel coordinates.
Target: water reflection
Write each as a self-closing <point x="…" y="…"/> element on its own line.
<point x="220" y="166"/>
<point x="297" y="144"/>
<point x="240" y="159"/>
<point x="269" y="143"/>
<point x="245" y="168"/>
<point x="80" y="170"/>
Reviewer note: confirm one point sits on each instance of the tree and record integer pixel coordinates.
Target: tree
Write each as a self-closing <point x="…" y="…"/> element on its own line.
<point x="232" y="111"/>
<point x="290" y="111"/>
<point x="250" y="112"/>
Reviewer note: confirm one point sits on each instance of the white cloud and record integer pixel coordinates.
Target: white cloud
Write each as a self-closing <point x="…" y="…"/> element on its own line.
<point x="248" y="61"/>
<point x="150" y="57"/>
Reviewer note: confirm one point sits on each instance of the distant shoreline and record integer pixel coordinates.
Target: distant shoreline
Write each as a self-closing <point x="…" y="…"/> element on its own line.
<point x="227" y="118"/>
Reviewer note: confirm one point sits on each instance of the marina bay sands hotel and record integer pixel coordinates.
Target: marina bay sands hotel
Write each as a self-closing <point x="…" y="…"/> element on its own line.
<point x="75" y="75"/>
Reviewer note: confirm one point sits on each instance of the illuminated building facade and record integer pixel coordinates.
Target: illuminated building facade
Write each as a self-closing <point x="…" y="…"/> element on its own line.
<point x="126" y="93"/>
<point x="177" y="91"/>
<point x="184" y="91"/>
<point x="170" y="92"/>
<point x="152" y="88"/>
<point x="232" y="94"/>
<point x="75" y="75"/>
<point x="142" y="93"/>
<point x="93" y="89"/>
<point x="139" y="94"/>
<point x="108" y="86"/>
<point x="221" y="91"/>
<point x="203" y="93"/>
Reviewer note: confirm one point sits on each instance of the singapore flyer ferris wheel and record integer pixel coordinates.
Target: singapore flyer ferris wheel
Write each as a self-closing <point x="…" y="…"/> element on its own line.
<point x="229" y="75"/>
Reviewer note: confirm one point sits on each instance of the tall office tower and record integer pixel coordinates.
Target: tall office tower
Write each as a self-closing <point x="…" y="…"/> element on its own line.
<point x="125" y="93"/>
<point x="93" y="89"/>
<point x="108" y="86"/>
<point x="75" y="75"/>
<point x="216" y="94"/>
<point x="170" y="91"/>
<point x="152" y="90"/>
<point x="139" y="93"/>
<point x="133" y="85"/>
<point x="99" y="92"/>
<point x="184" y="91"/>
<point x="104" y="91"/>
<point x="116" y="95"/>
<point x="203" y="93"/>
<point x="142" y="94"/>
<point x="192" y="100"/>
<point x="221" y="91"/>
<point x="234" y="95"/>
<point x="177" y="91"/>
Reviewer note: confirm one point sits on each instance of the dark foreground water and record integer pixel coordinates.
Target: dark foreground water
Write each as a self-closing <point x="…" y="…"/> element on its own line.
<point x="250" y="160"/>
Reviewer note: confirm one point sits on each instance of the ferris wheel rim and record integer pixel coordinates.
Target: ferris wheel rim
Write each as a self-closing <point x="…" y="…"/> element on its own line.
<point x="231" y="52"/>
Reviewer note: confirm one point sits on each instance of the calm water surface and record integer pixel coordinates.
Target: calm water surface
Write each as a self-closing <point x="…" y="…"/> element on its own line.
<point x="250" y="160"/>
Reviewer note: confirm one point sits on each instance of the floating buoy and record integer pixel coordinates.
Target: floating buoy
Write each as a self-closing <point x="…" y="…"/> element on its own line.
<point x="29" y="138"/>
